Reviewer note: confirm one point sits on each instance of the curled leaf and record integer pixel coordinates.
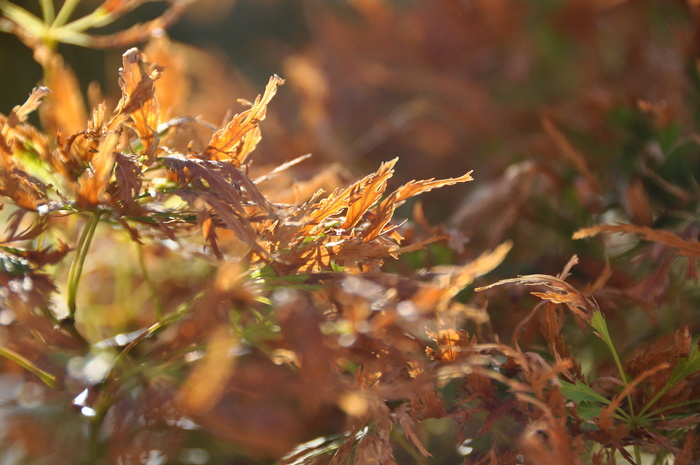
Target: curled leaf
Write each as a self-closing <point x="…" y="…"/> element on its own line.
<point x="235" y="141"/>
<point x="138" y="100"/>
<point x="562" y="293"/>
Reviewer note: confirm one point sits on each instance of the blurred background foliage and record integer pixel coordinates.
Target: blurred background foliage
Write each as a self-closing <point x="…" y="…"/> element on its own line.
<point x="571" y="113"/>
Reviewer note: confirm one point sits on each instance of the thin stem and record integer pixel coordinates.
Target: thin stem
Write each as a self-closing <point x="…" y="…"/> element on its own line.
<point x="638" y="454"/>
<point x="170" y="318"/>
<point x="598" y="323"/>
<point x="48" y="11"/>
<point x="653" y="401"/>
<point x="65" y="13"/>
<point x="157" y="304"/>
<point x="625" y="381"/>
<point x="94" y="447"/>
<point x="78" y="262"/>
<point x="48" y="379"/>
<point x="657" y="412"/>
<point x="97" y="18"/>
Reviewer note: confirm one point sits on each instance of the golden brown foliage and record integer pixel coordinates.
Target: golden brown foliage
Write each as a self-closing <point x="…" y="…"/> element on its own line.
<point x="175" y="293"/>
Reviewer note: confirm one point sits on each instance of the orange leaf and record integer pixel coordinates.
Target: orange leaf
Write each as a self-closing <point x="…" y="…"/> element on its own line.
<point x="19" y="113"/>
<point x="413" y="188"/>
<point x="64" y="108"/>
<point x="93" y="183"/>
<point x="385" y="210"/>
<point x="138" y="99"/>
<point x="238" y="138"/>
<point x="365" y="193"/>
<point x="173" y="87"/>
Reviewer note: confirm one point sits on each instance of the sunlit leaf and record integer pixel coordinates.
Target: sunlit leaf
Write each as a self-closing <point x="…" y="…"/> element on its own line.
<point x="138" y="100"/>
<point x="234" y="142"/>
<point x="562" y="293"/>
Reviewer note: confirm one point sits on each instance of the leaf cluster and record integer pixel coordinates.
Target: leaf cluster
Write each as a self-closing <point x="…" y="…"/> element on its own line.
<point x="166" y="296"/>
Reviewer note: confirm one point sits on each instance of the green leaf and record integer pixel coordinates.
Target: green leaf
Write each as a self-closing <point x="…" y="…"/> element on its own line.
<point x="686" y="366"/>
<point x="581" y="392"/>
<point x="24" y="18"/>
<point x="13" y="265"/>
<point x="598" y="323"/>
<point x="337" y="268"/>
<point x="588" y="411"/>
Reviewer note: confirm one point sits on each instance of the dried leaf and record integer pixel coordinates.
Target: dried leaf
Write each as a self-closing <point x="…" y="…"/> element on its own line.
<point x="605" y="421"/>
<point x="64" y="108"/>
<point x="238" y="138"/>
<point x="128" y="179"/>
<point x="563" y="293"/>
<point x="14" y="222"/>
<point x="682" y="246"/>
<point x="138" y="100"/>
<point x="20" y="113"/>
<point x="452" y="344"/>
<point x="385" y="210"/>
<point x="572" y="154"/>
<point x="362" y="195"/>
<point x="95" y="181"/>
<point x="402" y="414"/>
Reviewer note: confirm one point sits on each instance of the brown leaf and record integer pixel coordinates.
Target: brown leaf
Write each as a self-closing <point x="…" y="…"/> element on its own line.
<point x="362" y="195"/>
<point x="128" y="179"/>
<point x="26" y="191"/>
<point x="682" y="246"/>
<point x="64" y="108"/>
<point x="572" y="154"/>
<point x="238" y="138"/>
<point x="385" y="210"/>
<point x="94" y="182"/>
<point x="20" y="113"/>
<point x="201" y="201"/>
<point x="605" y="421"/>
<point x="222" y="179"/>
<point x="413" y="188"/>
<point x="138" y="100"/>
<point x="452" y="344"/>
<point x="451" y="280"/>
<point x="15" y="220"/>
<point x="563" y="293"/>
<point x="402" y="414"/>
<point x="46" y="256"/>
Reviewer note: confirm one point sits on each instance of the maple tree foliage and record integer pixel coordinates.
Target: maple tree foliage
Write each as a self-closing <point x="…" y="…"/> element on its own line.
<point x="165" y="291"/>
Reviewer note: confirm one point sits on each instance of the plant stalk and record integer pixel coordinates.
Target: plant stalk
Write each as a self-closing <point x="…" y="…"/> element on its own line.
<point x="64" y="13"/>
<point x="48" y="379"/>
<point x="78" y="262"/>
<point x="48" y="11"/>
